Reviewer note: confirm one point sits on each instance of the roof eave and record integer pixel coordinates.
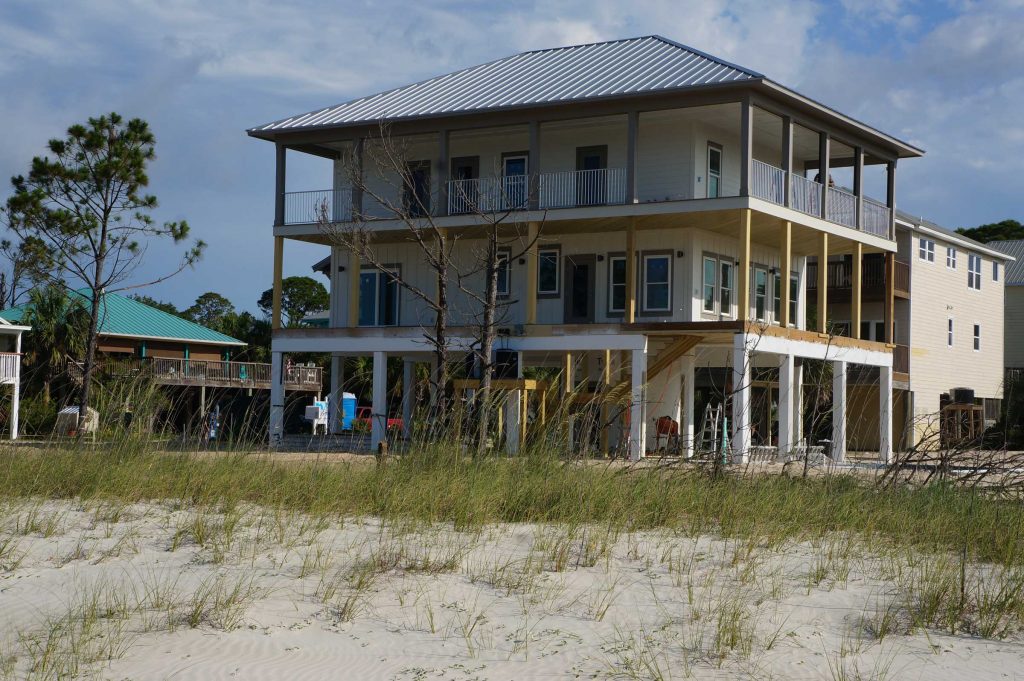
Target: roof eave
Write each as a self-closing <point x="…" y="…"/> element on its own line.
<point x="198" y="341"/>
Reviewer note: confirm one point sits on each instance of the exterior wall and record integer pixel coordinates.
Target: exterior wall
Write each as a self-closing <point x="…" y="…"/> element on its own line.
<point x="1013" y="334"/>
<point x="938" y="294"/>
<point x="115" y="345"/>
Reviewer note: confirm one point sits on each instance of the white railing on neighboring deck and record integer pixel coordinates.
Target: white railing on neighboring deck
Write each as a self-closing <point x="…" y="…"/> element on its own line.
<point x="307" y="207"/>
<point x="10" y="363"/>
<point x="488" y="194"/>
<point x="573" y="188"/>
<point x="842" y="207"/>
<point x="768" y="182"/>
<point x="806" y="195"/>
<point x="875" y="218"/>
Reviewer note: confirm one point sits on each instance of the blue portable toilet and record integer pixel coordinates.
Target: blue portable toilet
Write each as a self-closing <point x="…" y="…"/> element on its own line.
<point x="348" y="410"/>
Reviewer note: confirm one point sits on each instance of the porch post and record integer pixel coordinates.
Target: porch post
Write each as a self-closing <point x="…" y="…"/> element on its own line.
<point x="276" y="398"/>
<point x="533" y="161"/>
<point x="632" y="132"/>
<point x="357" y="176"/>
<point x="823" y="171"/>
<point x="823" y="283"/>
<point x="798" y="399"/>
<point x="513" y="421"/>
<point x="335" y="408"/>
<point x="354" y="270"/>
<point x="740" y="399"/>
<point x="275" y="318"/>
<point x="606" y="385"/>
<point x="890" y="196"/>
<point x="786" y="441"/>
<point x="16" y="387"/>
<point x="379" y="415"/>
<point x="637" y="421"/>
<point x="889" y="313"/>
<point x="279" y="184"/>
<point x="630" y="313"/>
<point x="786" y="253"/>
<point x="858" y="184"/>
<point x="442" y="173"/>
<point x="746" y="144"/>
<point x="408" y="385"/>
<point x="855" y="289"/>
<point x="532" y="230"/>
<point x="567" y="388"/>
<point x="743" y="280"/>
<point x="839" y="411"/>
<point x="689" y="375"/>
<point x="787" y="159"/>
<point x="885" y="414"/>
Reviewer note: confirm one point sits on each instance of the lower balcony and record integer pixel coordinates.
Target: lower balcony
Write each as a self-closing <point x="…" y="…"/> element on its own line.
<point x="194" y="372"/>
<point x="839" y="279"/>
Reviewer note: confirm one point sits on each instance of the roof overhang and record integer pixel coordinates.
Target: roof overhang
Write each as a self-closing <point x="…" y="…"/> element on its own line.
<point x="197" y="341"/>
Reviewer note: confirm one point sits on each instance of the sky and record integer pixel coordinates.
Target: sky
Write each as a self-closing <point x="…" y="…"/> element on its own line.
<point x="944" y="75"/>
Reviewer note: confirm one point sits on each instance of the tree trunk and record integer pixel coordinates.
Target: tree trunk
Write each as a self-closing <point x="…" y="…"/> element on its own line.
<point x="90" y="350"/>
<point x="487" y="336"/>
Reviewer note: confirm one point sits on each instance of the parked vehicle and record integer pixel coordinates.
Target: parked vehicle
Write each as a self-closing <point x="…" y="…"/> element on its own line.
<point x="364" y="415"/>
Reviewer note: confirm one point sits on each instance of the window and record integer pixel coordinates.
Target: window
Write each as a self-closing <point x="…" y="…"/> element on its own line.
<point x="616" y="283"/>
<point x="995" y="271"/>
<point x="547" y="272"/>
<point x="926" y="250"/>
<point x="378" y="299"/>
<point x="974" y="271"/>
<point x="777" y="296"/>
<point x="725" y="287"/>
<point x="760" y="293"/>
<point x="949" y="333"/>
<point x="794" y="296"/>
<point x="710" y="273"/>
<point x="503" y="273"/>
<point x="950" y="257"/>
<point x="514" y="179"/>
<point x="873" y="331"/>
<point x="977" y="337"/>
<point x="416" y="194"/>
<point x="714" y="170"/>
<point x="657" y="277"/>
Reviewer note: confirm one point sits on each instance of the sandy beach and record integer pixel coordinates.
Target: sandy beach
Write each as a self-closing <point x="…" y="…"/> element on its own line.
<point x="165" y="591"/>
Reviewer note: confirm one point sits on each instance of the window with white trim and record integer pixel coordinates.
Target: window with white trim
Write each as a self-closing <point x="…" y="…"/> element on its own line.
<point x="794" y="297"/>
<point x="776" y="296"/>
<point x="760" y="281"/>
<point x="710" y="299"/>
<point x="717" y="285"/>
<point x="504" y="272"/>
<point x="547" y="271"/>
<point x="714" y="186"/>
<point x="951" y="257"/>
<point x="995" y="271"/>
<point x="726" y="285"/>
<point x="926" y="250"/>
<point x="657" y="283"/>
<point x="378" y="298"/>
<point x="949" y="332"/>
<point x="872" y="330"/>
<point x="977" y="337"/>
<point x="616" y="283"/>
<point x="974" y="271"/>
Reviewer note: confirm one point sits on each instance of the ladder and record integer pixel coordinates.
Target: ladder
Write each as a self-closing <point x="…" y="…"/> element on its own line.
<point x="709" y="431"/>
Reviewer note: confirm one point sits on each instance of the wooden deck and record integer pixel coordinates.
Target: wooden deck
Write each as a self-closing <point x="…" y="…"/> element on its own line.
<point x="199" y="373"/>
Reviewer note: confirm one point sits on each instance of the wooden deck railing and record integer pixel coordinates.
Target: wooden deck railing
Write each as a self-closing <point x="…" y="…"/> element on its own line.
<point x="901" y="359"/>
<point x="199" y="372"/>
<point x="840" y="274"/>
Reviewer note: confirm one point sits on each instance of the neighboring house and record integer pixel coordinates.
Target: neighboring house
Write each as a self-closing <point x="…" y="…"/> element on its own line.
<point x="947" y="330"/>
<point x="10" y="368"/>
<point x="176" y="351"/>
<point x="1013" y="307"/>
<point x="676" y="199"/>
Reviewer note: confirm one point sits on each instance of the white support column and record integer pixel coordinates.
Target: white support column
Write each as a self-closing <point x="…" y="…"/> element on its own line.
<point x="798" y="398"/>
<point x="885" y="414"/>
<point x="637" y="417"/>
<point x="740" y="400"/>
<point x="16" y="388"/>
<point x="408" y="378"/>
<point x="787" y="369"/>
<point x="379" y="411"/>
<point x="839" y="411"/>
<point x="686" y="431"/>
<point x="334" y="400"/>
<point x="276" y="398"/>
<point x="513" y="424"/>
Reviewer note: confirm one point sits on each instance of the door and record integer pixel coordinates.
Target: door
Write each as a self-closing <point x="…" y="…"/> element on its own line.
<point x="417" y="188"/>
<point x="464" y="188"/>
<point x="514" y="169"/>
<point x="579" y="288"/>
<point x="591" y="183"/>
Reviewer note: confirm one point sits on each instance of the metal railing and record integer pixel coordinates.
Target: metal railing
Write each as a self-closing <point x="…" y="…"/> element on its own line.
<point x="842" y="207"/>
<point x="768" y="182"/>
<point x="202" y="372"/>
<point x="573" y="188"/>
<point x="875" y="218"/>
<point x="806" y="195"/>
<point x="306" y="207"/>
<point x="10" y="363"/>
<point x="488" y="194"/>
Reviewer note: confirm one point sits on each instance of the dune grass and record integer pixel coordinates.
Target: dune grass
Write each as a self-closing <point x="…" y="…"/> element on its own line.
<point x="438" y="486"/>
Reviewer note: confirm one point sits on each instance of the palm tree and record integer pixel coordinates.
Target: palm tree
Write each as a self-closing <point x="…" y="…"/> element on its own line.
<point x="59" y="323"/>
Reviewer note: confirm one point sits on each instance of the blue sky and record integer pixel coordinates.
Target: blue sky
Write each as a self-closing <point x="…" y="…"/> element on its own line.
<point x="946" y="76"/>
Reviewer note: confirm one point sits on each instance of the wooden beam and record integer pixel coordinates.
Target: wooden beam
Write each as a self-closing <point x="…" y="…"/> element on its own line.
<point x="671" y="353"/>
<point x="531" y="272"/>
<point x="786" y="253"/>
<point x="275" y="317"/>
<point x="855" y="289"/>
<point x="630" y="312"/>
<point x="567" y="373"/>
<point x="823" y="283"/>
<point x="354" y="270"/>
<point x="606" y="385"/>
<point x="743" y="280"/>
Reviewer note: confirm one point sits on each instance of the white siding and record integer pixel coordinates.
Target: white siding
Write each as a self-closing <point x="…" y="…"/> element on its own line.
<point x="1014" y="333"/>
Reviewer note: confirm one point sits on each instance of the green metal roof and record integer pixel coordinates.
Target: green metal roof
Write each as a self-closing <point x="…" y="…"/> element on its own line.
<point x="123" y="316"/>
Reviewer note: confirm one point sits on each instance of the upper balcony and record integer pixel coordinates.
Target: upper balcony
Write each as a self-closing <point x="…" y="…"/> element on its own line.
<point x="700" y="158"/>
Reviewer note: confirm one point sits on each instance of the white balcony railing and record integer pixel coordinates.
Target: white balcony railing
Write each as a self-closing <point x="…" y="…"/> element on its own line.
<point x="488" y="194"/>
<point x="806" y="195"/>
<point x="9" y="366"/>
<point x="768" y="182"/>
<point x="842" y="207"/>
<point x="875" y="218"/>
<point x="307" y="207"/>
<point x="572" y="188"/>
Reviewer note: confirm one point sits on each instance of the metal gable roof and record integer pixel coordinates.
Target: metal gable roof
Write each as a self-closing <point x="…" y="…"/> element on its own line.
<point x="122" y="316"/>
<point x="561" y="74"/>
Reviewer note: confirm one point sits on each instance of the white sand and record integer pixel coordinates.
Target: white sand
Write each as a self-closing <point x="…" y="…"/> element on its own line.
<point x="280" y="596"/>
